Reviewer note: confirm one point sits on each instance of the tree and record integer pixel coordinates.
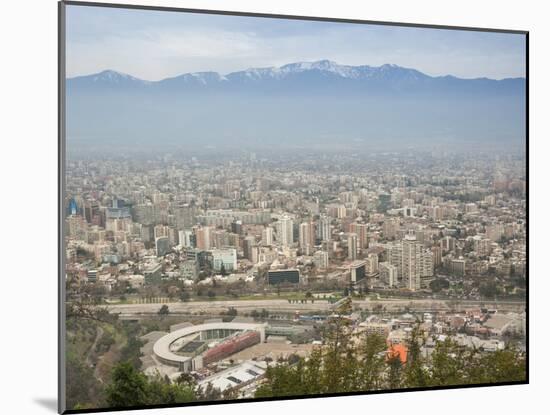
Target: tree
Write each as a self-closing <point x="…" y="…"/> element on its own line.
<point x="131" y="352"/>
<point x="163" y="391"/>
<point x="373" y="363"/>
<point x="164" y="310"/>
<point x="83" y="389"/>
<point x="79" y="310"/>
<point x="395" y="371"/>
<point x="506" y="365"/>
<point x="449" y="364"/>
<point x="128" y="387"/>
<point x="439" y="284"/>
<point x="339" y="362"/>
<point x="415" y="373"/>
<point x="489" y="289"/>
<point x="344" y="364"/>
<point x="209" y="393"/>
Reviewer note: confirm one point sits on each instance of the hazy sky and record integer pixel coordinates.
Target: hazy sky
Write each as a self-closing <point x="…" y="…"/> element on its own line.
<point x="154" y="45"/>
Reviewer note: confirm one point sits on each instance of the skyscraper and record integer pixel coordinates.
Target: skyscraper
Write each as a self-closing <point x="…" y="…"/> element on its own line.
<point x="352" y="246"/>
<point x="320" y="259"/>
<point x="413" y="262"/>
<point x="417" y="263"/>
<point x="185" y="238"/>
<point x="388" y="274"/>
<point x="203" y="237"/>
<point x="286" y="231"/>
<point x="307" y="237"/>
<point x="361" y="230"/>
<point x="248" y="244"/>
<point x="323" y="230"/>
<point x="267" y="236"/>
<point x="162" y="245"/>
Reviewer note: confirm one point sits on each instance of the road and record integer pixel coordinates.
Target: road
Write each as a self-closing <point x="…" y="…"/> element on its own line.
<point x="281" y="305"/>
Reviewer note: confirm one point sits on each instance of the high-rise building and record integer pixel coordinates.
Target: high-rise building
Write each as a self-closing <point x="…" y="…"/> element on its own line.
<point x="361" y="230"/>
<point x="237" y="227"/>
<point x="162" y="245"/>
<point x="372" y="264"/>
<point x="384" y="202"/>
<point x="324" y="228"/>
<point x="458" y="267"/>
<point x="320" y="259"/>
<point x="248" y="244"/>
<point x="307" y="237"/>
<point x="189" y="269"/>
<point x="352" y="246"/>
<point x="143" y="214"/>
<point x="413" y="262"/>
<point x="267" y="236"/>
<point x="185" y="216"/>
<point x="225" y="257"/>
<point x="495" y="232"/>
<point x="358" y="271"/>
<point x="184" y="237"/>
<point x="447" y="243"/>
<point x="202" y="235"/>
<point x="388" y="274"/>
<point x="160" y="230"/>
<point x="286" y="231"/>
<point x="437" y="255"/>
<point x="482" y="246"/>
<point x="219" y="238"/>
<point x="173" y="236"/>
<point x="417" y="264"/>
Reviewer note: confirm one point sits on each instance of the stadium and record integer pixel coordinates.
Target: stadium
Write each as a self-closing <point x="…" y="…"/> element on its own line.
<point x="196" y="346"/>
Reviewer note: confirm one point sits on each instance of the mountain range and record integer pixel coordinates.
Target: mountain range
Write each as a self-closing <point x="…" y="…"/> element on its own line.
<point x="307" y="103"/>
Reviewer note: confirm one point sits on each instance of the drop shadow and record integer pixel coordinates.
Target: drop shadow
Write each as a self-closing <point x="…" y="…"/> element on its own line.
<point x="48" y="403"/>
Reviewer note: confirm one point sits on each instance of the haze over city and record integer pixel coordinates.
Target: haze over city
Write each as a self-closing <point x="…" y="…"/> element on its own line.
<point x="261" y="208"/>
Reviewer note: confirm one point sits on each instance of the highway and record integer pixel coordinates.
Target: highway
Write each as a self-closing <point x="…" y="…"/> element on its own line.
<point x="281" y="305"/>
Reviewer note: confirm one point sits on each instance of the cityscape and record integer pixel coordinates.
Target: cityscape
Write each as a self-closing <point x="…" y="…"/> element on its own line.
<point x="206" y="262"/>
<point x="270" y="248"/>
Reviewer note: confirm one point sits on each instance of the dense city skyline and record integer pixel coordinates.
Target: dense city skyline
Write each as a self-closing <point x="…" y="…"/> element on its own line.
<point x="259" y="246"/>
<point x="309" y="225"/>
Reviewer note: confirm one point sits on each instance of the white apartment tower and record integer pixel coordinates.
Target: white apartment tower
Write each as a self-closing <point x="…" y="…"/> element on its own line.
<point x="286" y="231"/>
<point x="267" y="236"/>
<point x="323" y="229"/>
<point x="414" y="264"/>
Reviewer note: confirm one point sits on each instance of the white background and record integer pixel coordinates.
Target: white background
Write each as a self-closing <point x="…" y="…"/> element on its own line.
<point x="28" y="220"/>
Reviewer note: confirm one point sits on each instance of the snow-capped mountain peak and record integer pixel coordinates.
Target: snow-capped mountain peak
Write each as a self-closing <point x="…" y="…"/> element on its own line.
<point x="114" y="77"/>
<point x="293" y="75"/>
<point x="324" y="65"/>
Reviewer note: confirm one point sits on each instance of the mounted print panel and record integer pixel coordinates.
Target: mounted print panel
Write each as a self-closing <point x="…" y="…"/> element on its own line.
<point x="261" y="207"/>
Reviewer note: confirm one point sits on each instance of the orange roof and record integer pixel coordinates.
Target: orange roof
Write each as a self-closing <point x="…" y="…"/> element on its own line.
<point x="398" y="350"/>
